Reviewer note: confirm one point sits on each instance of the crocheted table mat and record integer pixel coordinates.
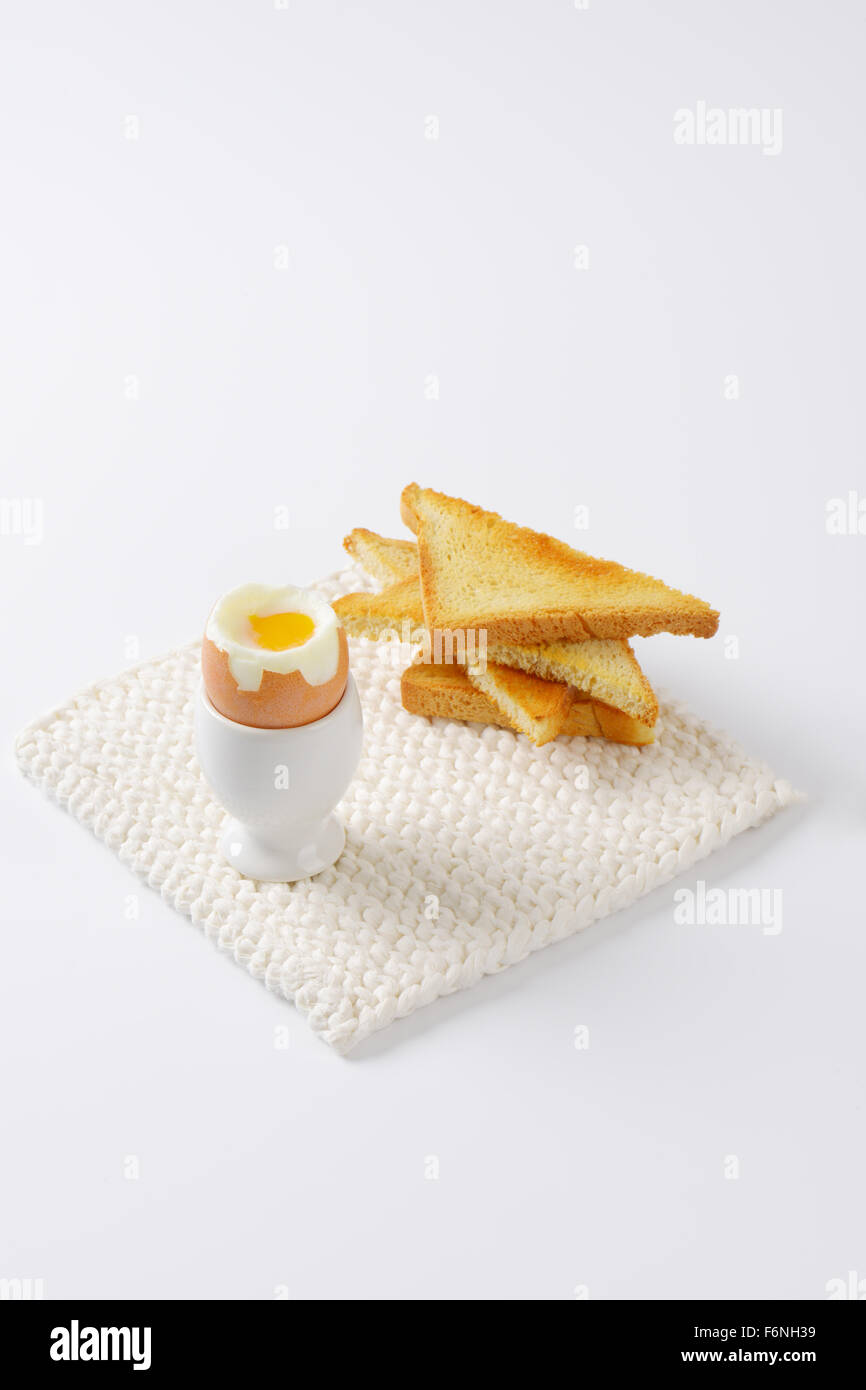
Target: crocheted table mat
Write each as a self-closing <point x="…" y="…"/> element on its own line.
<point x="467" y="847"/>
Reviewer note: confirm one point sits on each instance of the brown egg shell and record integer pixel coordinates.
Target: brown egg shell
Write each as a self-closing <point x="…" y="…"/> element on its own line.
<point x="281" y="701"/>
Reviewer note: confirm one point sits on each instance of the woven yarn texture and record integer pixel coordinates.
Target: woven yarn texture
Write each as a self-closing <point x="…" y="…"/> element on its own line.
<point x="467" y="847"/>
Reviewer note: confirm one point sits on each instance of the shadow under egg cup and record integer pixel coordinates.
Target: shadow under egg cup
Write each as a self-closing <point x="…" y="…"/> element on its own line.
<point x="280" y="787"/>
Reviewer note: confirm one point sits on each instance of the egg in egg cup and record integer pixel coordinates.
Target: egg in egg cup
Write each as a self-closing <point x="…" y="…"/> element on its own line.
<point x="278" y="728"/>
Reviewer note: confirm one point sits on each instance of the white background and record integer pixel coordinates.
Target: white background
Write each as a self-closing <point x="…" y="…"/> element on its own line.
<point x="154" y="259"/>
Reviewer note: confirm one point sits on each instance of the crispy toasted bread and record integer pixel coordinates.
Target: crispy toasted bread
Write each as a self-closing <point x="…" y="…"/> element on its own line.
<point x="478" y="571"/>
<point x="607" y="670"/>
<point x="538" y="708"/>
<point x="447" y="692"/>
<point x="388" y="561"/>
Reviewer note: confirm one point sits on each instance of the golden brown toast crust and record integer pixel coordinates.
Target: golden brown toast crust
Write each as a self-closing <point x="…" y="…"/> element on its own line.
<point x="408" y="515"/>
<point x="446" y="692"/>
<point x="538" y="708"/>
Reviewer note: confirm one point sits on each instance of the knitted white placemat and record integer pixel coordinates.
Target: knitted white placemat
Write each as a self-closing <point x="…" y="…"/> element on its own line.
<point x="467" y="847"/>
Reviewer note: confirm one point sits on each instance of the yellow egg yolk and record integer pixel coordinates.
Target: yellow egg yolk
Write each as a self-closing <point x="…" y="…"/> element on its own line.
<point x="278" y="631"/>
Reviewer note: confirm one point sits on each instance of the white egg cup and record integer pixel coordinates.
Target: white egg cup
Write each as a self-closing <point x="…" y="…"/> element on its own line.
<point x="280" y="787"/>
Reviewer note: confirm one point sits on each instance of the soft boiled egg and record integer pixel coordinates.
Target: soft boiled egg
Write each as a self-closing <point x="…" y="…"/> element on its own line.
<point x="274" y="658"/>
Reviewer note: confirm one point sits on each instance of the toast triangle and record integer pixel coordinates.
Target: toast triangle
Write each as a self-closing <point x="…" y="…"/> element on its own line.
<point x="478" y="571"/>
<point x="387" y="560"/>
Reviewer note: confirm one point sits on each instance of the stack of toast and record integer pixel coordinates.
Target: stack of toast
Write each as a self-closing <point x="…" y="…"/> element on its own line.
<point x="542" y="629"/>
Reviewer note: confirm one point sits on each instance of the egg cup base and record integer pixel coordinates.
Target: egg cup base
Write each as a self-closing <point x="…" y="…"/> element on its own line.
<point x="310" y="849"/>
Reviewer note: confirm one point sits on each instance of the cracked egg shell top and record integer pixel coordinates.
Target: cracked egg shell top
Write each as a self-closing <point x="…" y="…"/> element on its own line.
<point x="274" y="657"/>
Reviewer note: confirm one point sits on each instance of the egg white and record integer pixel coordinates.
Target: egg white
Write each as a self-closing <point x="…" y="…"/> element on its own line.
<point x="230" y="630"/>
